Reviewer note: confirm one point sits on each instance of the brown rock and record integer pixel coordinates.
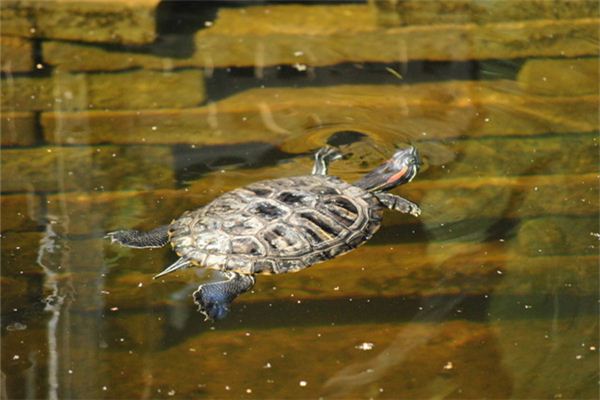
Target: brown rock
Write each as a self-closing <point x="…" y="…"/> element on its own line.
<point x="86" y="169"/>
<point x="414" y="12"/>
<point x="130" y="21"/>
<point x="414" y="112"/>
<point x="18" y="128"/>
<point x="536" y="155"/>
<point x="20" y="212"/>
<point x="558" y="236"/>
<point x="126" y="90"/>
<point x="560" y="77"/>
<point x="291" y="34"/>
<point x="16" y="54"/>
<point x="318" y="35"/>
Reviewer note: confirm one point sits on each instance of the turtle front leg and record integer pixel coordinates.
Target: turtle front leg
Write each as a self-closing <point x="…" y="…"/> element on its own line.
<point x="155" y="238"/>
<point x="394" y="202"/>
<point x="214" y="298"/>
<point x="322" y="159"/>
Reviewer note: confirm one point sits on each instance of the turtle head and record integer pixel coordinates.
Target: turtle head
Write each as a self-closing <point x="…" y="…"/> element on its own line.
<point x="398" y="170"/>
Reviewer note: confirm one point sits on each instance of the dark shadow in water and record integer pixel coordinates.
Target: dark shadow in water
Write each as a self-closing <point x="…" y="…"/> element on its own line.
<point x="332" y="312"/>
<point x="191" y="163"/>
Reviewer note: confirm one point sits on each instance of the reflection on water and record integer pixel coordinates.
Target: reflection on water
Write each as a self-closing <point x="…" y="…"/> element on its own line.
<point x="492" y="292"/>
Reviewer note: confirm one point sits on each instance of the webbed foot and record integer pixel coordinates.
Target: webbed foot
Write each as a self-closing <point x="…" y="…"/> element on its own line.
<point x="140" y="240"/>
<point x="214" y="299"/>
<point x="394" y="202"/>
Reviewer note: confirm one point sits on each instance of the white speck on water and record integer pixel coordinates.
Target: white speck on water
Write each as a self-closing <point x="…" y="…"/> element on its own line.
<point x="154" y="127"/>
<point x="528" y="306"/>
<point x="227" y="388"/>
<point x="595" y="234"/>
<point x="578" y="357"/>
<point x="336" y="288"/>
<point x="486" y="119"/>
<point x="16" y="357"/>
<point x="208" y="23"/>
<point x="248" y="390"/>
<point x="140" y="284"/>
<point x="423" y="133"/>
<point x="303" y="383"/>
<point x="592" y="348"/>
<point x="39" y="66"/>
<point x="365" y="346"/>
<point x="114" y="309"/>
<point x="171" y="392"/>
<point x="104" y="388"/>
<point x="499" y="272"/>
<point x="247" y="333"/>
<point x="298" y="53"/>
<point x="192" y="349"/>
<point x="70" y="372"/>
<point x="448" y="365"/>
<point x="380" y="390"/>
<point x="300" y="67"/>
<point x="267" y="365"/>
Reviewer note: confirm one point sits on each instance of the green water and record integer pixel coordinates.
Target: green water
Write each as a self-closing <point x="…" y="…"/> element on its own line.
<point x="491" y="293"/>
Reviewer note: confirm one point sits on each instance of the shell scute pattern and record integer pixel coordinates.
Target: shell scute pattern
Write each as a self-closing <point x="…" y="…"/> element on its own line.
<point x="275" y="226"/>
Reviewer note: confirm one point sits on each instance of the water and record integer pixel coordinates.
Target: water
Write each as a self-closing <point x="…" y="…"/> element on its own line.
<point x="491" y="292"/>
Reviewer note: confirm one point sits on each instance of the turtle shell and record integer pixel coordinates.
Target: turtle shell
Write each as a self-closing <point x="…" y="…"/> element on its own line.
<point x="277" y="226"/>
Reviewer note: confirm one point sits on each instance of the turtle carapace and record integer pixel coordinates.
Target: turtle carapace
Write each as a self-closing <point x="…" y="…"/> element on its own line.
<point x="279" y="225"/>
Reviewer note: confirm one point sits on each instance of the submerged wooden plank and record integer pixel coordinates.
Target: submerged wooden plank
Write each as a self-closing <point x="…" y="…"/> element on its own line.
<point x="556" y="77"/>
<point x="318" y="35"/>
<point x="94" y="169"/>
<point x="413" y="112"/>
<point x="414" y="12"/>
<point x="18" y="128"/>
<point x="16" y="54"/>
<point x="120" y="91"/>
<point x="130" y="21"/>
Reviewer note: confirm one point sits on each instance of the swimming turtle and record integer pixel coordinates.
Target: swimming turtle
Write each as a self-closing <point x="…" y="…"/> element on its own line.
<point x="278" y="225"/>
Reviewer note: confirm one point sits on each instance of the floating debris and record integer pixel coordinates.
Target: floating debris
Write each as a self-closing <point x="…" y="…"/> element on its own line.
<point x="16" y="326"/>
<point x="394" y="72"/>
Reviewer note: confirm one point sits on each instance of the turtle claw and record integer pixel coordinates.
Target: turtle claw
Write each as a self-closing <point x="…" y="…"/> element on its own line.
<point x="415" y="211"/>
<point x="117" y="237"/>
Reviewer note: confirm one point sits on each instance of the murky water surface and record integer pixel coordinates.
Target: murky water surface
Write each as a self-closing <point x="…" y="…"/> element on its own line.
<point x="491" y="293"/>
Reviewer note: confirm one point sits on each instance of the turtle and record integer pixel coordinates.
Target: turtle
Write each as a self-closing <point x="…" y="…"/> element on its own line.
<point x="279" y="225"/>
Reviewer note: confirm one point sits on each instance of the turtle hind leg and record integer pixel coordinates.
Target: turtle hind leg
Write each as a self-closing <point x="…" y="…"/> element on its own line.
<point x="155" y="238"/>
<point x="322" y="159"/>
<point x="215" y="298"/>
